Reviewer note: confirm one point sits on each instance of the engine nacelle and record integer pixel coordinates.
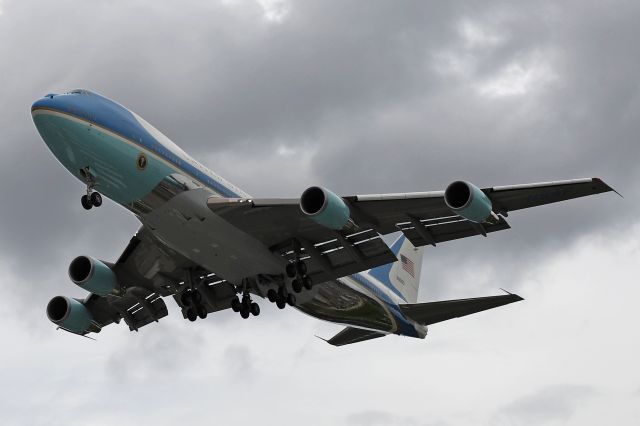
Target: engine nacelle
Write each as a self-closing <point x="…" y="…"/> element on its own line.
<point x="69" y="314"/>
<point x="326" y="208"/>
<point x="467" y="200"/>
<point x="92" y="275"/>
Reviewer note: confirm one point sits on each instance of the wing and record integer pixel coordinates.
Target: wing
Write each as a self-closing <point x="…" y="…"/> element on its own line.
<point x="353" y="335"/>
<point x="434" y="312"/>
<point x="422" y="216"/>
<point x="149" y="270"/>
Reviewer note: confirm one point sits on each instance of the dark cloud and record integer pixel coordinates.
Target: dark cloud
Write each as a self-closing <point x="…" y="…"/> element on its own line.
<point x="359" y="98"/>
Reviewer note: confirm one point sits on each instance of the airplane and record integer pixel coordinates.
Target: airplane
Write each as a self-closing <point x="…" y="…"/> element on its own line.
<point x="211" y="246"/>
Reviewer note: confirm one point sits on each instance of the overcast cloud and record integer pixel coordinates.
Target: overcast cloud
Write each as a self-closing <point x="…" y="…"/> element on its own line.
<point x="361" y="97"/>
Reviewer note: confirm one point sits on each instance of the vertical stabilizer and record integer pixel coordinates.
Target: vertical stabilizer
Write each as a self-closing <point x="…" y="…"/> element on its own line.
<point x="403" y="276"/>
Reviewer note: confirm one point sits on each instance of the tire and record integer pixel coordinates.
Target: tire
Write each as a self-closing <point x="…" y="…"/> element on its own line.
<point x="272" y="295"/>
<point x="235" y="304"/>
<point x="291" y="270"/>
<point x="281" y="303"/>
<point x="296" y="285"/>
<point x="244" y="313"/>
<point x="192" y="315"/>
<point x="307" y="283"/>
<point x="291" y="299"/>
<point x="255" y="309"/>
<point x="196" y="296"/>
<point x="202" y="312"/>
<point x="86" y="202"/>
<point x="185" y="298"/>
<point x="301" y="268"/>
<point x="96" y="199"/>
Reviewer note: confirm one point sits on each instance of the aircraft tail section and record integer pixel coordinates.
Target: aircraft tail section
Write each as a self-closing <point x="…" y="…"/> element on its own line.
<point x="403" y="276"/>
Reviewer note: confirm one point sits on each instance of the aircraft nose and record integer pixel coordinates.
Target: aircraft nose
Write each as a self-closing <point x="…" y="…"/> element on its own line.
<point x="49" y="101"/>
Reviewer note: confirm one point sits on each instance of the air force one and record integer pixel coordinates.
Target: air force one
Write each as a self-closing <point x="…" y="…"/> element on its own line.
<point x="212" y="246"/>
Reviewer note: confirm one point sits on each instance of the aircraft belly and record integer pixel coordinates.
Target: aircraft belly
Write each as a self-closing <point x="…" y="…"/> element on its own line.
<point x="335" y="301"/>
<point x="185" y="224"/>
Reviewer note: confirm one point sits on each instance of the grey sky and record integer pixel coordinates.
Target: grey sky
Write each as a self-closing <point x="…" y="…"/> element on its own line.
<point x="360" y="97"/>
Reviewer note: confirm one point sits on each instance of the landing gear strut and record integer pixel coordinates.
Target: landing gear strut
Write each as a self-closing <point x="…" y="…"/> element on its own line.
<point x="91" y="198"/>
<point x="246" y="306"/>
<point x="298" y="271"/>
<point x="191" y="298"/>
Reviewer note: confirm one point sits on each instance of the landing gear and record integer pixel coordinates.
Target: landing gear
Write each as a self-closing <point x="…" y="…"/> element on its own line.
<point x="246" y="306"/>
<point x="91" y="198"/>
<point x="298" y="271"/>
<point x="191" y="297"/>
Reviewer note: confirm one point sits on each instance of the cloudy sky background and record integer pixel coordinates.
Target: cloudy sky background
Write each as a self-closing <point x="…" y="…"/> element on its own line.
<point x="361" y="97"/>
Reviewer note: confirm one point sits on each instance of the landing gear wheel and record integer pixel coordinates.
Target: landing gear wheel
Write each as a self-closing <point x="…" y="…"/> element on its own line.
<point x="235" y="304"/>
<point x="307" y="283"/>
<point x="192" y="315"/>
<point x="296" y="285"/>
<point x="281" y="303"/>
<point x="196" y="296"/>
<point x="291" y="270"/>
<point x="202" y="312"/>
<point x="255" y="309"/>
<point x="301" y="268"/>
<point x="272" y="295"/>
<point x="244" y="312"/>
<point x="291" y="299"/>
<point x="96" y="199"/>
<point x="86" y="202"/>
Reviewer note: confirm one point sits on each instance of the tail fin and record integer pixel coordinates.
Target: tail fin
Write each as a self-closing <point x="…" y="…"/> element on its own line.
<point x="403" y="276"/>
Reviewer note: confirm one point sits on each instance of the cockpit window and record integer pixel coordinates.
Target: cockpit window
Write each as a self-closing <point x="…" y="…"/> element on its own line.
<point x="80" y="92"/>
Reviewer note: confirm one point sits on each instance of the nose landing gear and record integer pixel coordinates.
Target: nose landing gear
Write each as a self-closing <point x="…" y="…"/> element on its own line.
<point x="91" y="198"/>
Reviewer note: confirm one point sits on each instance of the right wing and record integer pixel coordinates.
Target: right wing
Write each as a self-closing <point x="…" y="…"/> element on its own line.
<point x="422" y="216"/>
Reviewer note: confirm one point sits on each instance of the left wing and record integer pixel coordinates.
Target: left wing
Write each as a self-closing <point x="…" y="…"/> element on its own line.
<point x="424" y="217"/>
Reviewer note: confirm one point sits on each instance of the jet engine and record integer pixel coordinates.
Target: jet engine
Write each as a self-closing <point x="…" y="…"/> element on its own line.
<point x="92" y="275"/>
<point x="325" y="208"/>
<point x="69" y="314"/>
<point x="467" y="200"/>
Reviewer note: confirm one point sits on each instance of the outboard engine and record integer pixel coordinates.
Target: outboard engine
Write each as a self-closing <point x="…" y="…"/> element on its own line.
<point x="467" y="200"/>
<point x="93" y="275"/>
<point x="326" y="208"/>
<point x="70" y="315"/>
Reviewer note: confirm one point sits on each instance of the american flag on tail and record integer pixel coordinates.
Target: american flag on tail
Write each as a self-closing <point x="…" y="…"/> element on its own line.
<point x="408" y="265"/>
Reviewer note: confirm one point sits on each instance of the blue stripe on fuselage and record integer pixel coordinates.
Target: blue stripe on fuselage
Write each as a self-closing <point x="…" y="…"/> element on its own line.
<point x="117" y="119"/>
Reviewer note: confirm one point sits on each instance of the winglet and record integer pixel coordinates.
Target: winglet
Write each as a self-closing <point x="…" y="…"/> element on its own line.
<point x="512" y="294"/>
<point x="608" y="186"/>
<point x="321" y="338"/>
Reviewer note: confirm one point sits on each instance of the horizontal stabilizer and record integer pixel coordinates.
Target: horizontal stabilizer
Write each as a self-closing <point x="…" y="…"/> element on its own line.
<point x="353" y="335"/>
<point x="433" y="312"/>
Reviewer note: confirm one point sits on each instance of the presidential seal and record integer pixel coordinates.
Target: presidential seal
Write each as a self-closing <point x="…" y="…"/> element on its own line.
<point x="142" y="161"/>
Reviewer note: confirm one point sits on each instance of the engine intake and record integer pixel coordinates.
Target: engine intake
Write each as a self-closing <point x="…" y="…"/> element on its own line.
<point x="467" y="200"/>
<point x="325" y="208"/>
<point x="69" y="314"/>
<point x="92" y="275"/>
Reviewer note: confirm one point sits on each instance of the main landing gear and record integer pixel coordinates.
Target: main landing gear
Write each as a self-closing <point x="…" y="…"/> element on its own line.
<point x="298" y="271"/>
<point x="246" y="307"/>
<point x="281" y="297"/>
<point x="91" y="198"/>
<point x="191" y="298"/>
